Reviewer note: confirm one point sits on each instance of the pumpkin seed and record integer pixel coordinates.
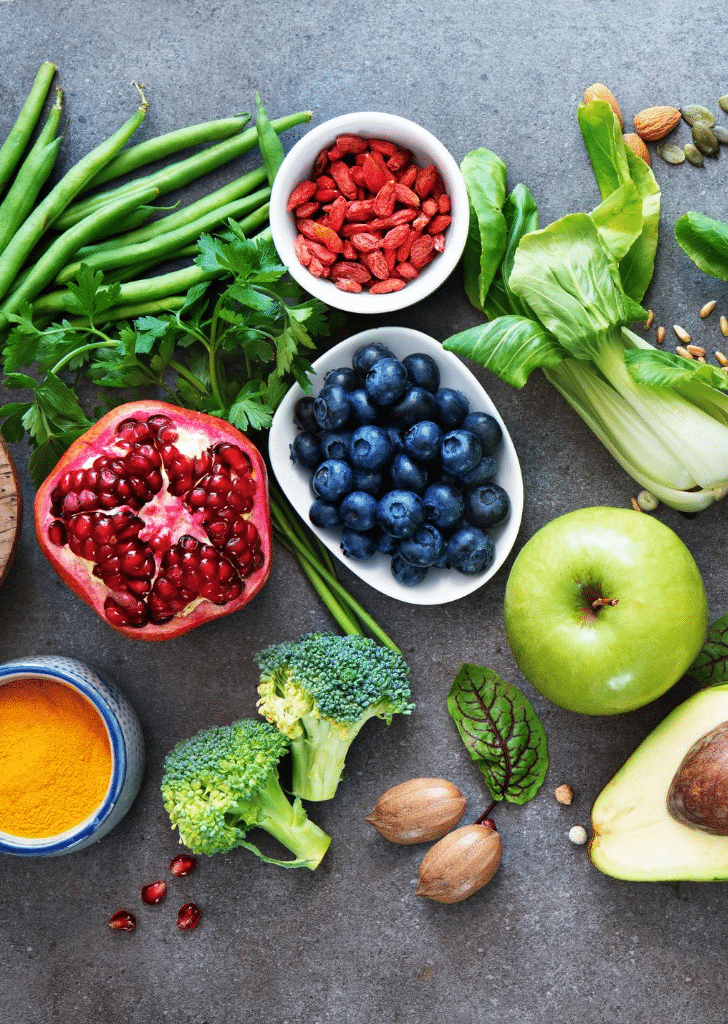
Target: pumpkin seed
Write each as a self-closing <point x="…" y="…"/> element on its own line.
<point x="671" y="153"/>
<point x="704" y="138"/>
<point x="723" y="103"/>
<point x="694" y="113"/>
<point x="693" y="155"/>
<point x="721" y="135"/>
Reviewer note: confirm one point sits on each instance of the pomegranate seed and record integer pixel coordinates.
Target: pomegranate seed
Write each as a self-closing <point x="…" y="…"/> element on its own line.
<point x="122" y="921"/>
<point x="154" y="892"/>
<point x="182" y="865"/>
<point x="188" y="916"/>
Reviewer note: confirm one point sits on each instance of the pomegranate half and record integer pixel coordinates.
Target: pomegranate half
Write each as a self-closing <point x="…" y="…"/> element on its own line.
<point x="158" y="518"/>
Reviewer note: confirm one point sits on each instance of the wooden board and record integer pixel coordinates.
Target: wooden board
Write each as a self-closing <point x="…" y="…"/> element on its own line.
<point x="11" y="509"/>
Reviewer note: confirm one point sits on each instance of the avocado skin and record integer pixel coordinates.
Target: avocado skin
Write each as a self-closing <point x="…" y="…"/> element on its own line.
<point x="634" y="836"/>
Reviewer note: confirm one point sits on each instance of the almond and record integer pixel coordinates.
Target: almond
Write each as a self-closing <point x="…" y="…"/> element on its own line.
<point x="637" y="146"/>
<point x="601" y="92"/>
<point x="656" y="122"/>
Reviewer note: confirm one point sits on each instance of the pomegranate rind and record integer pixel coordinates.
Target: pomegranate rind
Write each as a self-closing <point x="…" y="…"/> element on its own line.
<point x="200" y="431"/>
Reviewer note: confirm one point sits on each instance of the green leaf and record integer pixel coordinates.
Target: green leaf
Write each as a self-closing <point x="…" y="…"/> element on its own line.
<point x="619" y="219"/>
<point x="510" y="346"/>
<point x="602" y="136"/>
<point x="485" y="178"/>
<point x="521" y="214"/>
<point x="250" y="408"/>
<point x="668" y="370"/>
<point x="705" y="240"/>
<point x="45" y="456"/>
<point x="89" y="290"/>
<point x="248" y="296"/>
<point x="501" y="732"/>
<point x="149" y="329"/>
<point x="711" y="665"/>
<point x="638" y="266"/>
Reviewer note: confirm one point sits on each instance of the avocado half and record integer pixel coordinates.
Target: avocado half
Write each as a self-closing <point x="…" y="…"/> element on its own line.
<point x="634" y="837"/>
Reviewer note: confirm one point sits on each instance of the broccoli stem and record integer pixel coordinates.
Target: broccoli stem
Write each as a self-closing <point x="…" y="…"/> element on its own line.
<point x="289" y="824"/>
<point x="318" y="756"/>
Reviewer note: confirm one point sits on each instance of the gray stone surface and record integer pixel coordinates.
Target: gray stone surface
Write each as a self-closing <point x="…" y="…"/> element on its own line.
<point x="550" y="939"/>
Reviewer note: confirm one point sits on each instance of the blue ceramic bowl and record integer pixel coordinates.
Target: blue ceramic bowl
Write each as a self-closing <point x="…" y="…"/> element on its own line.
<point x="127" y="753"/>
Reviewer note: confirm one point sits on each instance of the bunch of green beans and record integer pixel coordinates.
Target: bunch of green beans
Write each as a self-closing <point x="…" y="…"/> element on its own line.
<point x="89" y="216"/>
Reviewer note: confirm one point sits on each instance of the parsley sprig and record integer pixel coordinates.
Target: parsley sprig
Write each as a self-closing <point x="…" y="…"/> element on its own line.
<point x="231" y="350"/>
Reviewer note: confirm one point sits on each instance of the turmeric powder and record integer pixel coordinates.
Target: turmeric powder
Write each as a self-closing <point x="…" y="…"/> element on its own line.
<point x="55" y="757"/>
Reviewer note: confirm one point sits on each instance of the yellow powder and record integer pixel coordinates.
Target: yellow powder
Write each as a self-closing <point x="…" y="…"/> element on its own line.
<point x="55" y="758"/>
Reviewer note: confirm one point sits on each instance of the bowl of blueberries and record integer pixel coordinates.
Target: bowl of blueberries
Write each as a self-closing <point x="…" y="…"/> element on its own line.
<point x="400" y="463"/>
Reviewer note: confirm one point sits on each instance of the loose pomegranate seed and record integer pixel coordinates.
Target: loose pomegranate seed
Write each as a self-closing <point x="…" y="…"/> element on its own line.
<point x="122" y="921"/>
<point x="183" y="864"/>
<point x="154" y="892"/>
<point x="188" y="916"/>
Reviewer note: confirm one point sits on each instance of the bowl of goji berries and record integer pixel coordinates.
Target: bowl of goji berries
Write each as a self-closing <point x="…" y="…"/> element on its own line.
<point x="369" y="212"/>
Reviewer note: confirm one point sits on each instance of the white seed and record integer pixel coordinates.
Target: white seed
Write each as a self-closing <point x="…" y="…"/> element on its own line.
<point x="707" y="308"/>
<point x="660" y="335"/>
<point x="578" y="835"/>
<point x="683" y="352"/>
<point x="696" y="350"/>
<point x="647" y="502"/>
<point x="722" y="358"/>
<point x="650" y="318"/>
<point x="724" y="326"/>
<point x="681" y="333"/>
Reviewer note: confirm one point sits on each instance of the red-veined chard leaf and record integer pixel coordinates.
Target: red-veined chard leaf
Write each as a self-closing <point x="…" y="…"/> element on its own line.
<point x="501" y="732"/>
<point x="711" y="665"/>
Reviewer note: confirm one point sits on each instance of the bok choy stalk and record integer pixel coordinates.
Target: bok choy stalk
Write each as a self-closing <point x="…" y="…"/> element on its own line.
<point x="560" y="299"/>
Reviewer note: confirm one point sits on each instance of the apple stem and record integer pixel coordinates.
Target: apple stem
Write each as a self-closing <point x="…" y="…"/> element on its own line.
<point x="604" y="600"/>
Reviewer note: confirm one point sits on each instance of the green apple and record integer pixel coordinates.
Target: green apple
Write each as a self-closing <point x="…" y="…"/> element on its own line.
<point x="605" y="610"/>
<point x="634" y="834"/>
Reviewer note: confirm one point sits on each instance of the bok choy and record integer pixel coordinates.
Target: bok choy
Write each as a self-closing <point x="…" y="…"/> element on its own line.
<point x="561" y="299"/>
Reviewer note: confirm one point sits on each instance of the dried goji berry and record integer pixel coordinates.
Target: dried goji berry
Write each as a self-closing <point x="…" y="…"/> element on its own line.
<point x="301" y="194"/>
<point x="325" y="181"/>
<point x="307" y="209"/>
<point x="383" y="205"/>
<point x="443" y="203"/>
<point x="321" y="162"/>
<point x="351" y="144"/>
<point x="402" y="216"/>
<point x="408" y="176"/>
<point x="359" y="209"/>
<point x="355" y="270"/>
<point x="374" y="176"/>
<point x="348" y="251"/>
<point x="342" y="176"/>
<point x="439" y="241"/>
<point x="357" y="175"/>
<point x="407" y="271"/>
<point x="365" y="241"/>
<point x="334" y="153"/>
<point x="439" y="223"/>
<point x="326" y="195"/>
<point x="347" y="284"/>
<point x="383" y="146"/>
<point x="404" y="194"/>
<point x="335" y="216"/>
<point x="376" y="262"/>
<point x="430" y="207"/>
<point x="399" y="160"/>
<point x="321" y="252"/>
<point x="300" y="247"/>
<point x="390" y="256"/>
<point x="421" y="251"/>
<point x="425" y="180"/>
<point x="421" y="221"/>
<point x="395" y="237"/>
<point x="392" y="284"/>
<point x="320" y="233"/>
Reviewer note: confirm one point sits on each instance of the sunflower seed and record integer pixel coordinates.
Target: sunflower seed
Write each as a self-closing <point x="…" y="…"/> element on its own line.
<point x="724" y="326"/>
<point x="650" y="318"/>
<point x="693" y="155"/>
<point x="697" y="351"/>
<point x="721" y="357"/>
<point x="707" y="309"/>
<point x="681" y="333"/>
<point x="704" y="138"/>
<point x="660" y="335"/>
<point x="680" y="351"/>
<point x="671" y="153"/>
<point x="694" y="113"/>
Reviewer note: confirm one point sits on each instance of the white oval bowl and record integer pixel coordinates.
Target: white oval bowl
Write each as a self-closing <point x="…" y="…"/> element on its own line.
<point x="426" y="149"/>
<point x="440" y="585"/>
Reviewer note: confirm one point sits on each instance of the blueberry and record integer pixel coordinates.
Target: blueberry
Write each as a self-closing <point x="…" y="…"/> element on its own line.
<point x="395" y="436"/>
<point x="332" y="480"/>
<point x="424" y="547"/>
<point x="452" y="407"/>
<point x="367" y="480"/>
<point x="405" y="573"/>
<point x="360" y="546"/>
<point x="362" y="408"/>
<point x="359" y="511"/>
<point x="487" y="505"/>
<point x="470" y="550"/>
<point x="324" y="514"/>
<point x="406" y="474"/>
<point x="344" y="377"/>
<point x="485" y="470"/>
<point x="400" y="512"/>
<point x="370" y="447"/>
<point x="422" y="440"/>
<point x="306" y="450"/>
<point x="386" y="381"/>
<point x="367" y="355"/>
<point x="423" y="371"/>
<point x="486" y="428"/>
<point x="335" y="444"/>
<point x="460" y="452"/>
<point x="331" y="407"/>
<point x="386" y="544"/>
<point x="444" y="505"/>
<point x="303" y="414"/>
<point x="415" y="404"/>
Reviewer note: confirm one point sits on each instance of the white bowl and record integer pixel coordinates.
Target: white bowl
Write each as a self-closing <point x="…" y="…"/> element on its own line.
<point x="127" y="753"/>
<point x="426" y="149"/>
<point x="440" y="585"/>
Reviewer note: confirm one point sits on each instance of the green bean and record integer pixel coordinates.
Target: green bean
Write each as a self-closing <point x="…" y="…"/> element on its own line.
<point x="184" y="171"/>
<point x="14" y="146"/>
<point x="161" y="146"/>
<point x="65" y="246"/>
<point x="162" y="245"/>
<point x="63" y="301"/>
<point x="240" y="187"/>
<point x="135" y="219"/>
<point x="269" y="144"/>
<point x="44" y="214"/>
<point x="31" y="176"/>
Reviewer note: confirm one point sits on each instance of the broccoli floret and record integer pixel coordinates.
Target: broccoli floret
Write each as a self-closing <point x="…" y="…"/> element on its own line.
<point x="320" y="690"/>
<point x="224" y="781"/>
